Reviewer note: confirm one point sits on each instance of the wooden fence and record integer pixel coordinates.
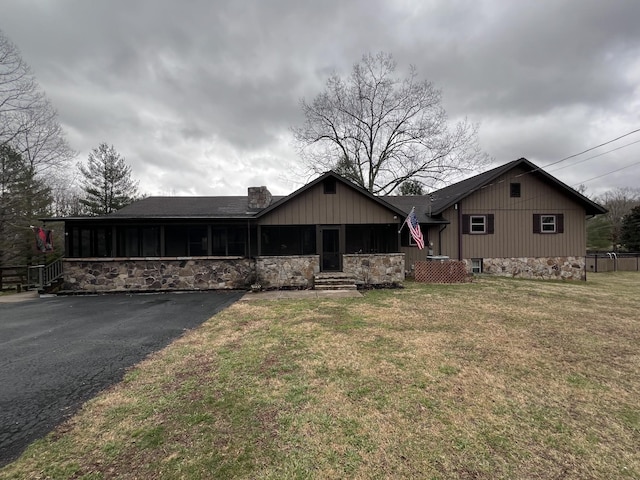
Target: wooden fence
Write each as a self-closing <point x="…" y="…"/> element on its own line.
<point x="613" y="262"/>
<point x="13" y="277"/>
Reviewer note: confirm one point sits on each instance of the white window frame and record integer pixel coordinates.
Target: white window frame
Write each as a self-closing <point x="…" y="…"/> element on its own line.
<point x="476" y="265"/>
<point x="473" y="224"/>
<point x="550" y="225"/>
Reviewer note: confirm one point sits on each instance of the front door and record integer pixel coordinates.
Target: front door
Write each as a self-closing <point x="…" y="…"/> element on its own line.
<point x="330" y="256"/>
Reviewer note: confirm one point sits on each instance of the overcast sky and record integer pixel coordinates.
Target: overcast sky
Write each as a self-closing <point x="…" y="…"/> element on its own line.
<point x="199" y="95"/>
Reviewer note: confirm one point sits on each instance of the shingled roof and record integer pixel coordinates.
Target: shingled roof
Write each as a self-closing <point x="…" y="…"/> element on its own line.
<point x="448" y="196"/>
<point x="429" y="208"/>
<point x="191" y="207"/>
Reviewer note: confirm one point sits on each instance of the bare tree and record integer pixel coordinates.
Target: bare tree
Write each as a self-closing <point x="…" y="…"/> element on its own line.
<point x="380" y="131"/>
<point x="107" y="181"/>
<point x="66" y="196"/>
<point x="18" y="91"/>
<point x="42" y="142"/>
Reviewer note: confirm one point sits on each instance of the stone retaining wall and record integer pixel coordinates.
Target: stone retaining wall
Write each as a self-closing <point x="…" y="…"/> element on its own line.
<point x="548" y="268"/>
<point x="295" y="271"/>
<point x="215" y="273"/>
<point x="375" y="269"/>
<point x="148" y="274"/>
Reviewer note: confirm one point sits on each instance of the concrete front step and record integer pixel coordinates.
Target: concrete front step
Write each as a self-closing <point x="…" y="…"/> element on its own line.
<point x="335" y="287"/>
<point x="334" y="281"/>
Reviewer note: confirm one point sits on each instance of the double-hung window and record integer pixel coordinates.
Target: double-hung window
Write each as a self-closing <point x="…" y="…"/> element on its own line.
<point x="548" y="223"/>
<point x="477" y="224"/>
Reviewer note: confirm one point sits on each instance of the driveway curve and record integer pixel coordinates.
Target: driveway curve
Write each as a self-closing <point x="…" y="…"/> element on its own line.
<point x="57" y="352"/>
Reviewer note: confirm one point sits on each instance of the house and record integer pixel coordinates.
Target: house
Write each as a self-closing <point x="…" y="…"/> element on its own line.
<point x="515" y="219"/>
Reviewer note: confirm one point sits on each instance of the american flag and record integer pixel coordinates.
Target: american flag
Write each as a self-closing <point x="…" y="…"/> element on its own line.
<point x="414" y="228"/>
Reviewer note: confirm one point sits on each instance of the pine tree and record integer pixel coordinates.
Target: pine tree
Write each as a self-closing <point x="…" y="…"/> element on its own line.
<point x="23" y="199"/>
<point x="412" y="187"/>
<point x="107" y="182"/>
<point x="630" y="231"/>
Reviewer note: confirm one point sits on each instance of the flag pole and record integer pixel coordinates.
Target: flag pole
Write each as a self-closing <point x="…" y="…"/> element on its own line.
<point x="405" y="219"/>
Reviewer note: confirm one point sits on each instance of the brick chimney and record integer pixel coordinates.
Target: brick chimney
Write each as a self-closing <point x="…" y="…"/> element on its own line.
<point x="259" y="197"/>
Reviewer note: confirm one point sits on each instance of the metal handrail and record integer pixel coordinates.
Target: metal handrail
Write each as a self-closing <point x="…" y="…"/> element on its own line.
<point x="39" y="276"/>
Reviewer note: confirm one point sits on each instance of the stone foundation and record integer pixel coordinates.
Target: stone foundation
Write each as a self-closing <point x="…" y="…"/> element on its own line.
<point x="147" y="274"/>
<point x="295" y="271"/>
<point x="547" y="268"/>
<point x="375" y="269"/>
<point x="95" y="275"/>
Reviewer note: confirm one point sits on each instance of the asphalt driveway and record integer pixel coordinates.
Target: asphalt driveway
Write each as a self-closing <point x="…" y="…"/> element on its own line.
<point x="56" y="353"/>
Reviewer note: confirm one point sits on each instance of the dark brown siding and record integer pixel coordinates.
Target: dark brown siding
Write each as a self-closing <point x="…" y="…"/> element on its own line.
<point x="314" y="207"/>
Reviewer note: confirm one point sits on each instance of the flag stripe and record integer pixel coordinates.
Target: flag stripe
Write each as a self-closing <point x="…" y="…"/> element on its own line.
<point x="414" y="228"/>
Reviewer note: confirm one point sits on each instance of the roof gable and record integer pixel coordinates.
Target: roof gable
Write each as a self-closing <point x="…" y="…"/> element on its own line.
<point x="448" y="196"/>
<point x="330" y="174"/>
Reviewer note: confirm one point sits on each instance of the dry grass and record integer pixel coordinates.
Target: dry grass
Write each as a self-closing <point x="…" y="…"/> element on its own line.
<point x="495" y="379"/>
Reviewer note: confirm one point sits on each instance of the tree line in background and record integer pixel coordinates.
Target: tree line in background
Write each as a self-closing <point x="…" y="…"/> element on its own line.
<point x="619" y="229"/>
<point x="37" y="175"/>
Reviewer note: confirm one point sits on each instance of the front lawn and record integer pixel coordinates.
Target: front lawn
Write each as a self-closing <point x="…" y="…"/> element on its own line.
<point x="499" y="378"/>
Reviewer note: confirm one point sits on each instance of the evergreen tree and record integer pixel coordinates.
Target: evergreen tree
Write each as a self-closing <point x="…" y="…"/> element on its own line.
<point x="412" y="187"/>
<point x="630" y="231"/>
<point x="107" y="182"/>
<point x="23" y="199"/>
<point x="599" y="233"/>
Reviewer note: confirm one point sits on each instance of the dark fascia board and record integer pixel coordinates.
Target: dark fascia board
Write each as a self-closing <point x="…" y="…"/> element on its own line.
<point x="116" y="219"/>
<point x="177" y="217"/>
<point x="341" y="179"/>
<point x="483" y="179"/>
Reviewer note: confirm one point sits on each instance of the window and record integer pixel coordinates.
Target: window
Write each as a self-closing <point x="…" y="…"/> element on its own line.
<point x="289" y="240"/>
<point x="549" y="223"/>
<point x="182" y="241"/>
<point x="478" y="224"/>
<point x="374" y="238"/>
<point x="198" y="241"/>
<point x="515" y="190"/>
<point x="330" y="186"/>
<point x="89" y="241"/>
<point x="476" y="265"/>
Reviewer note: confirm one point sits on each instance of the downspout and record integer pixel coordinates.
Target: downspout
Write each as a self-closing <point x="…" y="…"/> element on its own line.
<point x="459" y="208"/>
<point x="440" y="239"/>
<point x="248" y="238"/>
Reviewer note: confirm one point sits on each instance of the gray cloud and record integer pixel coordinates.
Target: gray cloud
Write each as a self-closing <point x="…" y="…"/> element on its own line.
<point x="199" y="96"/>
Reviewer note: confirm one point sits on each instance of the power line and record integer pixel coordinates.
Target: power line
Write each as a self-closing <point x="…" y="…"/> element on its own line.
<point x="608" y="173"/>
<point x="592" y="148"/>
<point x="595" y="156"/>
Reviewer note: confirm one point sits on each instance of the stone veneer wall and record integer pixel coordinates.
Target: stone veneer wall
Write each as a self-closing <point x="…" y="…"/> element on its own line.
<point x="153" y="274"/>
<point x="291" y="271"/>
<point x="375" y="269"/>
<point x="548" y="268"/>
<point x="96" y="275"/>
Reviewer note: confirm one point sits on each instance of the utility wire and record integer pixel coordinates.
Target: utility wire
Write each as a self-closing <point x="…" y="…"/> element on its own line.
<point x="608" y="173"/>
<point x="595" y="156"/>
<point x="592" y="148"/>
